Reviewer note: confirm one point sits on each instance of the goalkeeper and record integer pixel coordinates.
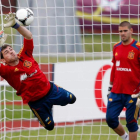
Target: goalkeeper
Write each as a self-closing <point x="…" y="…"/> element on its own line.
<point x="124" y="80"/>
<point x="22" y="72"/>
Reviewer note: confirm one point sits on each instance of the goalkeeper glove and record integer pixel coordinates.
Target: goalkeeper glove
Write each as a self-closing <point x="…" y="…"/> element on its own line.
<point x="109" y="90"/>
<point x="138" y="98"/>
<point x="3" y="38"/>
<point x="11" y="21"/>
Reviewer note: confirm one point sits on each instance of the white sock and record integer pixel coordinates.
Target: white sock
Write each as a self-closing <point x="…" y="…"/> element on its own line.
<point x="125" y="136"/>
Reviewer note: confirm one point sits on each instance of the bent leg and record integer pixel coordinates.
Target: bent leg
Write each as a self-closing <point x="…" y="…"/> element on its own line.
<point x="132" y="114"/>
<point x="133" y="135"/>
<point x="44" y="118"/>
<point x="114" y="109"/>
<point x="119" y="130"/>
<point x="61" y="96"/>
<point x="43" y="112"/>
<point x="73" y="98"/>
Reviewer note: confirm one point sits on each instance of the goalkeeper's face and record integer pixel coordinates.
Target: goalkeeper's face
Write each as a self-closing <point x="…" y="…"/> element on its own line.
<point x="125" y="33"/>
<point x="9" y="55"/>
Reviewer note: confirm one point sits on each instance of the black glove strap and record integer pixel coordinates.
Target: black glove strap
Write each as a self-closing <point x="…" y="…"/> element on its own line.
<point x="16" y="26"/>
<point x="109" y="88"/>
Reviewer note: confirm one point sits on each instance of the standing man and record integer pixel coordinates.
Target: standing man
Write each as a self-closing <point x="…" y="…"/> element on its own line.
<point x="124" y="81"/>
<point x="23" y="74"/>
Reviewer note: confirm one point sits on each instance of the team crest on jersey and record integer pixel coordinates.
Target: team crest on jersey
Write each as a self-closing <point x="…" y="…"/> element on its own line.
<point x="27" y="64"/>
<point x="131" y="55"/>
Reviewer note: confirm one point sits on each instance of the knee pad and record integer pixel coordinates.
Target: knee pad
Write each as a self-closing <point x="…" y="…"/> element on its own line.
<point x="49" y="126"/>
<point x="72" y="99"/>
<point x="132" y="126"/>
<point x="112" y="122"/>
<point x="49" y="123"/>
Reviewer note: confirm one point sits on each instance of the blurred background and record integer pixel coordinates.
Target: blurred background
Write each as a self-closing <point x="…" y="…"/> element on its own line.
<point x="76" y="29"/>
<point x="73" y="43"/>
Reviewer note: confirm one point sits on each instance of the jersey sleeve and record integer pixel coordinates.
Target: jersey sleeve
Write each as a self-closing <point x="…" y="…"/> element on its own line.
<point x="27" y="48"/>
<point x="114" y="48"/>
<point x="138" y="46"/>
<point x="139" y="52"/>
<point x="3" y="70"/>
<point x="113" y="58"/>
<point x="112" y="75"/>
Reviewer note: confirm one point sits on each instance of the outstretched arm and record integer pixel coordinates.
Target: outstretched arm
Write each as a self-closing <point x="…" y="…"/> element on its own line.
<point x="11" y="22"/>
<point x="24" y="32"/>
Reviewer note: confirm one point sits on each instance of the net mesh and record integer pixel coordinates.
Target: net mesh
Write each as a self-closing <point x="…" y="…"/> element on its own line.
<point x="73" y="43"/>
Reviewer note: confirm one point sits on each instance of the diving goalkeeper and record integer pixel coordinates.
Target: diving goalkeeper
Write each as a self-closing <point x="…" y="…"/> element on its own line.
<point x="22" y="72"/>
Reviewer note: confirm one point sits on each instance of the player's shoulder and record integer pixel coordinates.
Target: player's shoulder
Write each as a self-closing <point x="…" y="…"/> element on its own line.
<point x="21" y="50"/>
<point x="117" y="44"/>
<point x="136" y="45"/>
<point x="3" y="64"/>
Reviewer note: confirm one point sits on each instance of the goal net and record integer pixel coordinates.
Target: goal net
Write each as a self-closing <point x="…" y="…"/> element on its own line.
<point x="73" y="42"/>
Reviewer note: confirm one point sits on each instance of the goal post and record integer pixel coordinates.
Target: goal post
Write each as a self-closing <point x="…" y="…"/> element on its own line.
<point x="73" y="41"/>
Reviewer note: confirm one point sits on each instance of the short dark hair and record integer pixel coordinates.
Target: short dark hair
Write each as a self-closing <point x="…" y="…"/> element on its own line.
<point x="125" y="23"/>
<point x="2" y="48"/>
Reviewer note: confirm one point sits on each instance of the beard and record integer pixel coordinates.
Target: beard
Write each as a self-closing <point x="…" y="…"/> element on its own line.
<point x="125" y="39"/>
<point x="15" y="59"/>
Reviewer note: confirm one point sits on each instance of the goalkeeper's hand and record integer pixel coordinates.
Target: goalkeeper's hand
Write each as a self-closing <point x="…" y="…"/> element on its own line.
<point x="10" y="20"/>
<point x="109" y="90"/>
<point x="3" y="38"/>
<point x="138" y="98"/>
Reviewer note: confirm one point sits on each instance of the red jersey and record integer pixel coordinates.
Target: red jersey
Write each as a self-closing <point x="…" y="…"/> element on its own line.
<point x="126" y="65"/>
<point x="26" y="77"/>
